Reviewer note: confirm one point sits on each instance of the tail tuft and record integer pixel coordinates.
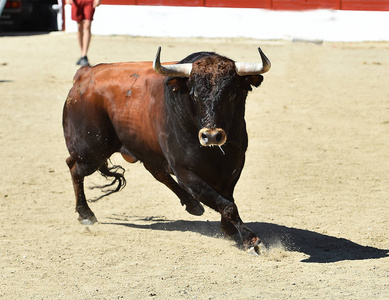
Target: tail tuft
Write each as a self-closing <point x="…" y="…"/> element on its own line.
<point x="115" y="171"/>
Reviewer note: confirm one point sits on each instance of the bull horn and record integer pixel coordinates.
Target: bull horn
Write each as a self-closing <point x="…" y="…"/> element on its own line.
<point x="243" y="69"/>
<point x="177" y="70"/>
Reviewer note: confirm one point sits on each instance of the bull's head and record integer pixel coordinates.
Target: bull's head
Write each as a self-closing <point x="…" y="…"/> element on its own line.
<point x="217" y="89"/>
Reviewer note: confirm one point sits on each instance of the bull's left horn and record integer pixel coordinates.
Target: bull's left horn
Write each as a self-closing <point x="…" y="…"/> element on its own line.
<point x="178" y="70"/>
<point x="244" y="69"/>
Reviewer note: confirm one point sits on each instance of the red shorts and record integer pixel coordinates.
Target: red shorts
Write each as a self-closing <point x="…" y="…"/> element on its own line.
<point x="82" y="10"/>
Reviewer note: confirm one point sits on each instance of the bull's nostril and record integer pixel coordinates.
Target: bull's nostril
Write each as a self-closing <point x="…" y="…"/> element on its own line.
<point x="204" y="136"/>
<point x="219" y="136"/>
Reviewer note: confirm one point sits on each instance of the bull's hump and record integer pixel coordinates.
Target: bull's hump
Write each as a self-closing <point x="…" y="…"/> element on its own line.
<point x="117" y="71"/>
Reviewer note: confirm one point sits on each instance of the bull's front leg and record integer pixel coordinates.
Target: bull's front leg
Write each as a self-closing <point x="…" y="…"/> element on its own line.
<point x="192" y="205"/>
<point x="231" y="219"/>
<point x="227" y="208"/>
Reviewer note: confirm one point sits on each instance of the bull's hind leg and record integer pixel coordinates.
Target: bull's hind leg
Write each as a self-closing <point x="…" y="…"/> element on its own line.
<point x="78" y="172"/>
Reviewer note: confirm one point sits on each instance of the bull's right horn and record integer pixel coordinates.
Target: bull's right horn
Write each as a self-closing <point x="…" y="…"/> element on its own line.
<point x="177" y="70"/>
<point x="243" y="69"/>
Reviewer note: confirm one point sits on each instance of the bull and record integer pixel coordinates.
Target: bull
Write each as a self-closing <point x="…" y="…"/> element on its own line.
<point x="184" y="119"/>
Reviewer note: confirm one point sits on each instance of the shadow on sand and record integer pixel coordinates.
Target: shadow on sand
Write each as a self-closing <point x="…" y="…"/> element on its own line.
<point x="319" y="247"/>
<point x="10" y="33"/>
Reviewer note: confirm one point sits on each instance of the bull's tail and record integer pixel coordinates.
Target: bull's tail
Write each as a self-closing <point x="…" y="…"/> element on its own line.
<point x="115" y="171"/>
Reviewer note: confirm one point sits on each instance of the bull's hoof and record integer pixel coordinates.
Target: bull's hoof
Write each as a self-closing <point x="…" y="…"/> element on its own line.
<point x="257" y="250"/>
<point x="255" y="247"/>
<point x="88" y="221"/>
<point x="195" y="208"/>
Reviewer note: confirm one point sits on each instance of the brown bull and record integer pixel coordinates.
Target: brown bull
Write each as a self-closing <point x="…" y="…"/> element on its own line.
<point x="184" y="119"/>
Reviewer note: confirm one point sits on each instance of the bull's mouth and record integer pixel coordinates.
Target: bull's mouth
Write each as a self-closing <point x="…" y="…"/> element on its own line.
<point x="210" y="137"/>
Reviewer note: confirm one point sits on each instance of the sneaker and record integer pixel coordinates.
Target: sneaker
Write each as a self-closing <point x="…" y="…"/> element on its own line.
<point x="83" y="61"/>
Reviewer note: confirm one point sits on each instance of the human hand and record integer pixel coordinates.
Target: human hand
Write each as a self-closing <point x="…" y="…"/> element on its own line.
<point x="96" y="3"/>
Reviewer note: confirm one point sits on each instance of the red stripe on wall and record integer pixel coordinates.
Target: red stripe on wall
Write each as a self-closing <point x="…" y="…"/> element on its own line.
<point x="171" y="2"/>
<point x="119" y="2"/>
<point x="240" y="4"/>
<point x="375" y="5"/>
<point x="378" y="5"/>
<point x="305" y="4"/>
<point x="156" y="2"/>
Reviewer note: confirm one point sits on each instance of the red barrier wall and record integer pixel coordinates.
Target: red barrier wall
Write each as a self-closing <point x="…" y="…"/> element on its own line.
<point x="376" y="5"/>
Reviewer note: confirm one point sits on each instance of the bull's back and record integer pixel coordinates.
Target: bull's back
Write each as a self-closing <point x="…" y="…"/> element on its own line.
<point x="125" y="98"/>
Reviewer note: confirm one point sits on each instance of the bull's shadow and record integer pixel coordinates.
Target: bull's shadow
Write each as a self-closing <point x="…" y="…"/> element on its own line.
<point x="319" y="247"/>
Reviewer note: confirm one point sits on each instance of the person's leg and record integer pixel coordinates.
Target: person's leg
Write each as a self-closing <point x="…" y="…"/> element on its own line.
<point x="80" y="34"/>
<point x="86" y="37"/>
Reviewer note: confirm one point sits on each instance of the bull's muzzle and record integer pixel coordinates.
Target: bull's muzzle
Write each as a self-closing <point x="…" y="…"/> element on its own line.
<point x="212" y="137"/>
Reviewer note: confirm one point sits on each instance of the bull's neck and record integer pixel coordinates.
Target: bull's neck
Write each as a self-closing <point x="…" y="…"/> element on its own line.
<point x="179" y="115"/>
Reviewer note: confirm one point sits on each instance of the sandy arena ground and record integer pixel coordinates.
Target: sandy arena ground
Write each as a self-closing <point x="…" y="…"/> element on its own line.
<point x="314" y="188"/>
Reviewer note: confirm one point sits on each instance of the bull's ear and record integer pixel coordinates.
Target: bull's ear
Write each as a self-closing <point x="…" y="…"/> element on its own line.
<point x="177" y="84"/>
<point x="252" y="80"/>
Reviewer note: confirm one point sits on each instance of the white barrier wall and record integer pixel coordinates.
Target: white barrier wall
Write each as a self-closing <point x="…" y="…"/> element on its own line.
<point x="169" y="21"/>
